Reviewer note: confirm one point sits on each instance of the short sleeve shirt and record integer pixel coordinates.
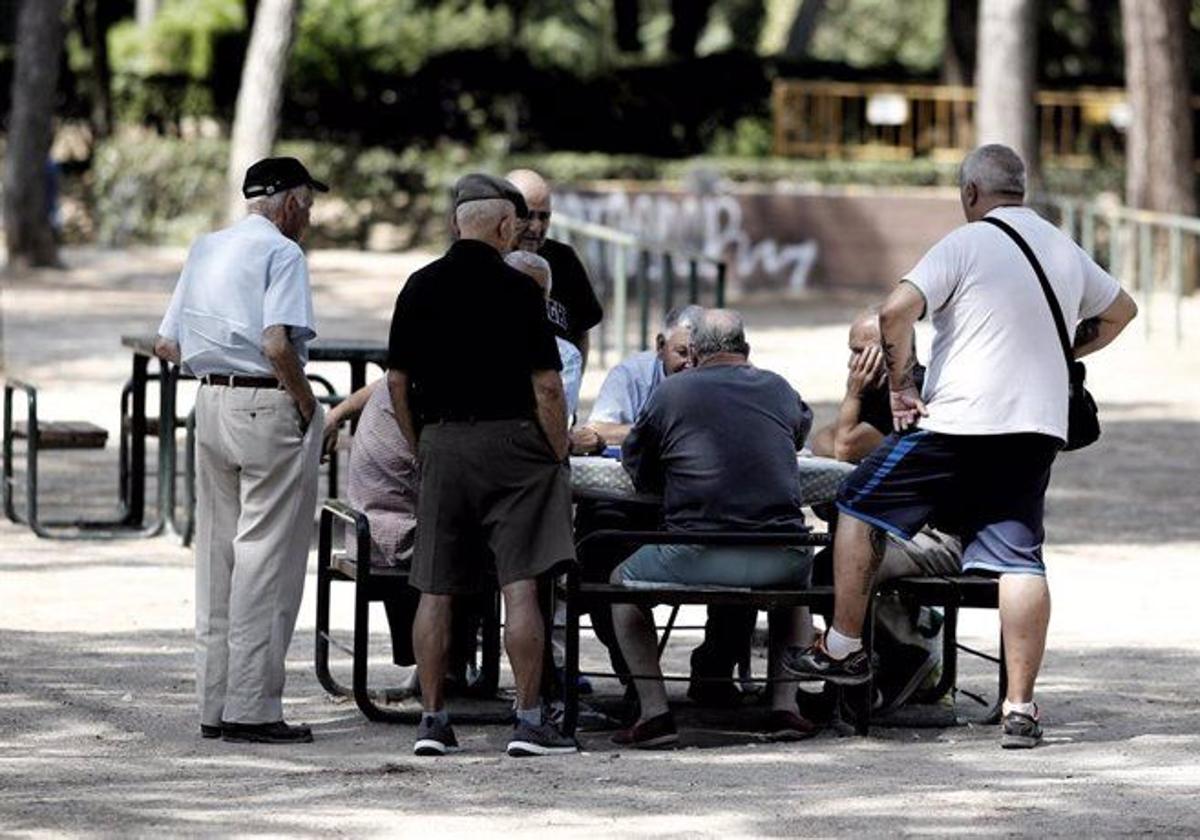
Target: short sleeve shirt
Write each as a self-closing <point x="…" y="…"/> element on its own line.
<point x="997" y="365"/>
<point x="470" y="331"/>
<point x="573" y="307"/>
<point x="235" y="283"/>
<point x="572" y="375"/>
<point x="627" y="388"/>
<point x="719" y="443"/>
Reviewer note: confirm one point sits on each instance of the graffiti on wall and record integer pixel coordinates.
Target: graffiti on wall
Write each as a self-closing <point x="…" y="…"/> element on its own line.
<point x="713" y="225"/>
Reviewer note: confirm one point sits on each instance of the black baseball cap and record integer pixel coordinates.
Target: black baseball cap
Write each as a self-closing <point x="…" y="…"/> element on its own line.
<point x="272" y="175"/>
<point x="479" y="186"/>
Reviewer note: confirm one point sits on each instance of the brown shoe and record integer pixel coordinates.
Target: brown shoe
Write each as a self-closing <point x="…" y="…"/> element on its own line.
<point x="652" y="734"/>
<point x="783" y="725"/>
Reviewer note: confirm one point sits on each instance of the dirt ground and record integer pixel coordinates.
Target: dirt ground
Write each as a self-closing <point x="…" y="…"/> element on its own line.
<point x="98" y="731"/>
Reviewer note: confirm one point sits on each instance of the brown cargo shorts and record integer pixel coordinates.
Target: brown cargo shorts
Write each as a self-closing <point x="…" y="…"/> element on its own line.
<point x="494" y="485"/>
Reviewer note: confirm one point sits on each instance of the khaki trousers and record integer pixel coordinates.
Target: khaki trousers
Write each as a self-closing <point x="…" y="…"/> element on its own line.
<point x="256" y="491"/>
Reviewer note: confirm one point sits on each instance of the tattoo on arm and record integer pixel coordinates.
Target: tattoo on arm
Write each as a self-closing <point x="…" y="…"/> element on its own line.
<point x="878" y="544"/>
<point x="890" y="357"/>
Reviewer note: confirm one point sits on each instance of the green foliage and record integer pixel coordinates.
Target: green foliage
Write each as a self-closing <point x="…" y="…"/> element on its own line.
<point x="871" y="33"/>
<point x="146" y="189"/>
<point x="749" y="137"/>
<point x="179" y="42"/>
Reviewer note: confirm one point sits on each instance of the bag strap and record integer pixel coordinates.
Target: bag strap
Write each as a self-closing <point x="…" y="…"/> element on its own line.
<point x="1055" y="309"/>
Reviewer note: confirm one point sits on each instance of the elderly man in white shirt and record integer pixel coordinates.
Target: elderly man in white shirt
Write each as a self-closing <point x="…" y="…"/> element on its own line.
<point x="240" y="321"/>
<point x="972" y="452"/>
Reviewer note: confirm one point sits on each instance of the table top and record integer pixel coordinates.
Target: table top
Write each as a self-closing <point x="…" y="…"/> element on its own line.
<point x="605" y="478"/>
<point x="321" y="350"/>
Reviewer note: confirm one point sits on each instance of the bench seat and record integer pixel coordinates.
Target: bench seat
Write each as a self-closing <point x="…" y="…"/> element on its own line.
<point x="64" y="434"/>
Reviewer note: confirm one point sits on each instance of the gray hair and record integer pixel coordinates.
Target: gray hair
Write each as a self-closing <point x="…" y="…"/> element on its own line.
<point x="720" y="331"/>
<point x="271" y="205"/>
<point x="688" y="317"/>
<point x="530" y="263"/>
<point x="994" y="169"/>
<point x="481" y="215"/>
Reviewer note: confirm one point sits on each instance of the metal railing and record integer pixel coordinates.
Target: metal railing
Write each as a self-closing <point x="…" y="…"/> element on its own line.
<point x="902" y="121"/>
<point x="663" y="276"/>
<point x="1147" y="251"/>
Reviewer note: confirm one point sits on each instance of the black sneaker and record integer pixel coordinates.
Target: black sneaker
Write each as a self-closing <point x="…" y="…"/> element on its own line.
<point x="815" y="661"/>
<point x="543" y="739"/>
<point x="207" y="731"/>
<point x="277" y="732"/>
<point x="1021" y="731"/>
<point x="434" y="738"/>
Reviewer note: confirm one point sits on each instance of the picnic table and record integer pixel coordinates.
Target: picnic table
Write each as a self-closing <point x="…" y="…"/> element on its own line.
<point x="357" y="353"/>
<point x="605" y="479"/>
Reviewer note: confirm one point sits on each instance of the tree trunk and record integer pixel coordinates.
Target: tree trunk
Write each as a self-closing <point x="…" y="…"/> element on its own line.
<point x="1005" y="79"/>
<point x="256" y="118"/>
<point x="27" y="227"/>
<point x="958" y="62"/>
<point x="628" y="19"/>
<point x="1158" y="154"/>
<point x="688" y="19"/>
<point x="147" y="10"/>
<point x="804" y="24"/>
<point x="94" y="18"/>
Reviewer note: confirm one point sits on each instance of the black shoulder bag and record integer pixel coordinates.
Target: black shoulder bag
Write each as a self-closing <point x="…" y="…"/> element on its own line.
<point x="1083" y="421"/>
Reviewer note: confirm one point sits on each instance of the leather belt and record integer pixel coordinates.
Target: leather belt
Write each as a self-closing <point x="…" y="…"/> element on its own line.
<point x="237" y="380"/>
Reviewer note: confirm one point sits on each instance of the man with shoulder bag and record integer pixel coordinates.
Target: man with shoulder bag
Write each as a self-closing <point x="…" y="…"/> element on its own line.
<point x="972" y="453"/>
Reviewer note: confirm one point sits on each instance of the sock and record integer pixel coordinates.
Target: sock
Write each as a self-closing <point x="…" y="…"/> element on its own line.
<point x="532" y="717"/>
<point x="839" y="646"/>
<point x="441" y="717"/>
<point x="1029" y="708"/>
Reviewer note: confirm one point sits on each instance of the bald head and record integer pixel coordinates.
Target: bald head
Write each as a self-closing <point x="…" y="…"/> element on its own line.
<point x="864" y="331"/>
<point x="533" y="186"/>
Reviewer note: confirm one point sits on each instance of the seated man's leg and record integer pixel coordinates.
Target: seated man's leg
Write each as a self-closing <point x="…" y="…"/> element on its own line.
<point x="635" y="632"/>
<point x="727" y="635"/>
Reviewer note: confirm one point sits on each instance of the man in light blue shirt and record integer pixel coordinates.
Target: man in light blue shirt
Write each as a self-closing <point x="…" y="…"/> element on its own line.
<point x="240" y="321"/>
<point x="628" y="386"/>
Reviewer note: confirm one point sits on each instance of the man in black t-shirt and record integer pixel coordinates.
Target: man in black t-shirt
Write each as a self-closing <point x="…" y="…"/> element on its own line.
<point x="489" y="429"/>
<point x="573" y="308"/>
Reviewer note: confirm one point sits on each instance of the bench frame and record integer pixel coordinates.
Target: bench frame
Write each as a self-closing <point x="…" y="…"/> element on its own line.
<point x="373" y="583"/>
<point x="950" y="593"/>
<point x="57" y="529"/>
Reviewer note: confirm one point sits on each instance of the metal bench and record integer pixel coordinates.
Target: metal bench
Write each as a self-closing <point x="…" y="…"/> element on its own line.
<point x="950" y="593"/>
<point x="41" y="435"/>
<point x="375" y="583"/>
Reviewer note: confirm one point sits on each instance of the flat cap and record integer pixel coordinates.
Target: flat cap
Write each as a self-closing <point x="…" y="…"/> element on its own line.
<point x="271" y="175"/>
<point x="478" y="186"/>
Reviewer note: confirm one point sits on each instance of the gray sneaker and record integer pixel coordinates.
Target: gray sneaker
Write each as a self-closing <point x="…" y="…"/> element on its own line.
<point x="434" y="738"/>
<point x="544" y="739"/>
<point x="1021" y="731"/>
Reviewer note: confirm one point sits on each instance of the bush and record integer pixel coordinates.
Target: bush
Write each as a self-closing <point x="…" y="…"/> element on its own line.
<point x="168" y="190"/>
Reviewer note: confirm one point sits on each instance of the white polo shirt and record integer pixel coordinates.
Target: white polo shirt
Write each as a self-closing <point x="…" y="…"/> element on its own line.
<point x="237" y="282"/>
<point x="997" y="365"/>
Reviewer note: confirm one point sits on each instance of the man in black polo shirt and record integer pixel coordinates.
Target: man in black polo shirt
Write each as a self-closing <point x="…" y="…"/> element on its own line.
<point x="573" y="308"/>
<point x="487" y="419"/>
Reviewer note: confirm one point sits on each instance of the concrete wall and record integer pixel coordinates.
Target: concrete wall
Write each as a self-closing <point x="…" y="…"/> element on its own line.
<point x="782" y="242"/>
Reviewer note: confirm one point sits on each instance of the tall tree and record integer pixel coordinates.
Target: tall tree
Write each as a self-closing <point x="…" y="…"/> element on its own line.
<point x="1158" y="153"/>
<point x="94" y="18"/>
<point x="1005" y="67"/>
<point x="628" y="20"/>
<point x="27" y="228"/>
<point x="962" y="22"/>
<point x="688" y="19"/>
<point x="256" y="117"/>
<point x="804" y="24"/>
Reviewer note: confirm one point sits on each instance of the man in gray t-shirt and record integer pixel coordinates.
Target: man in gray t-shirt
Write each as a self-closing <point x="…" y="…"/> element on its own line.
<point x="719" y="443"/>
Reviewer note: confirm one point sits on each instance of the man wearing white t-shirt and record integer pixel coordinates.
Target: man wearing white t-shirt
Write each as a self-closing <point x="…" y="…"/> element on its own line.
<point x="972" y="454"/>
<point x="240" y="321"/>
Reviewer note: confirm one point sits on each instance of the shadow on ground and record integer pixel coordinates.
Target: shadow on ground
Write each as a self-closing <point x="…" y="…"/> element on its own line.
<point x="99" y="736"/>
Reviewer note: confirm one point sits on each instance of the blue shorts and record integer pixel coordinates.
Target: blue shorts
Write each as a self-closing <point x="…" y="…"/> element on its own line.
<point x="988" y="489"/>
<point x="699" y="565"/>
